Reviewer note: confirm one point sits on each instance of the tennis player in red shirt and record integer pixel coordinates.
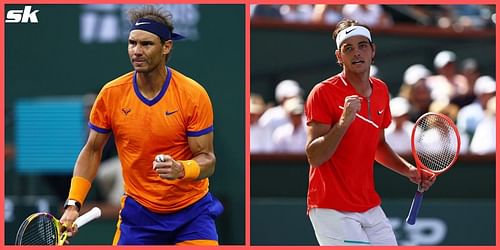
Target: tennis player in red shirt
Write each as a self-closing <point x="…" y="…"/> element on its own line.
<point x="346" y="117"/>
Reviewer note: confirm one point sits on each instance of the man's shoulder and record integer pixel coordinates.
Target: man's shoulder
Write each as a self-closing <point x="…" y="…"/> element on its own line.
<point x="184" y="81"/>
<point x="124" y="79"/>
<point x="378" y="82"/>
<point x="333" y="81"/>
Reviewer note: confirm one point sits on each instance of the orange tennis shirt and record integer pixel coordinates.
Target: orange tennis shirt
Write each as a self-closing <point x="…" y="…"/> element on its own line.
<point x="145" y="128"/>
<point x="345" y="181"/>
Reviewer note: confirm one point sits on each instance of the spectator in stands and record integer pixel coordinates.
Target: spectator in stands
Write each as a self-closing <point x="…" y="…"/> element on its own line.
<point x="291" y="136"/>
<point x="469" y="116"/>
<point x="469" y="16"/>
<point x="398" y="134"/>
<point x="416" y="91"/>
<point x="470" y="70"/>
<point x="297" y="13"/>
<point x="276" y="116"/>
<point x="327" y="13"/>
<point x="265" y="11"/>
<point x="484" y="139"/>
<point x="372" y="15"/>
<point x="259" y="135"/>
<point x="447" y="83"/>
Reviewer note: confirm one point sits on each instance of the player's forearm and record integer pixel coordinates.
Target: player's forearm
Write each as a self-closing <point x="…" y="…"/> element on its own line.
<point x="87" y="163"/>
<point x="389" y="159"/>
<point x="83" y="174"/>
<point x="322" y="148"/>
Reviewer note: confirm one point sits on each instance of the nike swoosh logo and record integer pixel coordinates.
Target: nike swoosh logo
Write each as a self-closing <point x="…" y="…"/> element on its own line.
<point x="347" y="32"/>
<point x="380" y="112"/>
<point x="170" y="113"/>
<point x="141" y="23"/>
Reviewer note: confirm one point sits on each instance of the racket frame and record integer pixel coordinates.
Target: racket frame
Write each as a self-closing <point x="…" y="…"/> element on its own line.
<point x="419" y="194"/>
<point x="61" y="237"/>
<point x="61" y="234"/>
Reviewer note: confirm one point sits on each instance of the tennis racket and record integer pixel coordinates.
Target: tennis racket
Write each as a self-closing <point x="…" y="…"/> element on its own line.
<point x="45" y="229"/>
<point x="435" y="144"/>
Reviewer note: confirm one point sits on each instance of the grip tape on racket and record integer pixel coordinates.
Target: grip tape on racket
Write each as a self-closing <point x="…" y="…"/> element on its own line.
<point x="415" y="207"/>
<point x="93" y="214"/>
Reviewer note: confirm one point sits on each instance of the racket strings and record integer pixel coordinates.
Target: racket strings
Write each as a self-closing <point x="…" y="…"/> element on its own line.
<point x="40" y="231"/>
<point x="436" y="142"/>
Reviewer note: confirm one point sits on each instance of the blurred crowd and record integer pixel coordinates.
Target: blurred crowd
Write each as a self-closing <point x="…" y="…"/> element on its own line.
<point x="456" y="17"/>
<point x="455" y="88"/>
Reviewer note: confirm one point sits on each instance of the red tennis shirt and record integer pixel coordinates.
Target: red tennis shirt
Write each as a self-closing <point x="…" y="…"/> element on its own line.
<point x="345" y="181"/>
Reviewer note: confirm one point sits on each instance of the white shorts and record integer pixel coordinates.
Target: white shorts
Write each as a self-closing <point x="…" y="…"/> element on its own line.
<point x="335" y="228"/>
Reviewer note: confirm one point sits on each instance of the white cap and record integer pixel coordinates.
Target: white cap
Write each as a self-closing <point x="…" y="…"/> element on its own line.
<point x="414" y="73"/>
<point x="286" y="89"/>
<point x="399" y="106"/>
<point x="443" y="58"/>
<point x="485" y="85"/>
<point x="350" y="32"/>
<point x="294" y="106"/>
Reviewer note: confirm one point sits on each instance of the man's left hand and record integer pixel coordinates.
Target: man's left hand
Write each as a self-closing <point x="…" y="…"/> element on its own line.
<point x="168" y="168"/>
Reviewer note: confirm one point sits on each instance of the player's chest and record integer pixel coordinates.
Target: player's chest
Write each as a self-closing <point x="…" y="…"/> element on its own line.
<point x="164" y="119"/>
<point x="371" y="113"/>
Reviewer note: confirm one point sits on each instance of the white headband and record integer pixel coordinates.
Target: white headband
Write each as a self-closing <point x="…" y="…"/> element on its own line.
<point x="350" y="32"/>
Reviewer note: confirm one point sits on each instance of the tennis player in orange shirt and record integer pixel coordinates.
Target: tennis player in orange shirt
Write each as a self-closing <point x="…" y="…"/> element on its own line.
<point x="162" y="121"/>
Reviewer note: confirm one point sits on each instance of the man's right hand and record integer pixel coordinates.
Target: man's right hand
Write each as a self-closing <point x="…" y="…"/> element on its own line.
<point x="68" y="219"/>
<point x="352" y="105"/>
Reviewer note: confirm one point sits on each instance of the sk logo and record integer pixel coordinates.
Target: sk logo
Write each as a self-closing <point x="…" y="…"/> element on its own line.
<point x="126" y="110"/>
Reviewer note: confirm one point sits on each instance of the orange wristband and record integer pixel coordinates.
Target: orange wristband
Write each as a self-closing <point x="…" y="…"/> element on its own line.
<point x="79" y="189"/>
<point x="191" y="169"/>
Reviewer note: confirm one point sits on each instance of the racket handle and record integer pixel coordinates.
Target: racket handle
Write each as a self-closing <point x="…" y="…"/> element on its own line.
<point x="415" y="207"/>
<point x="93" y="214"/>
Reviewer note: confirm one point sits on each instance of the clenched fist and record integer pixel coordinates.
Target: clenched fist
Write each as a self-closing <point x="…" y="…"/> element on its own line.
<point x="168" y="168"/>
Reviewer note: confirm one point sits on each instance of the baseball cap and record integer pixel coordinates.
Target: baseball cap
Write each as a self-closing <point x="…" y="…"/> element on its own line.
<point x="444" y="57"/>
<point x="287" y="88"/>
<point x="414" y="73"/>
<point x="485" y="85"/>
<point x="399" y="106"/>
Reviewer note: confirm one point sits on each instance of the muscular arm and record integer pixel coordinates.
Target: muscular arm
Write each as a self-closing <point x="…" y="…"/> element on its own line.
<point x="203" y="153"/>
<point x="86" y="166"/>
<point x="389" y="159"/>
<point x="90" y="157"/>
<point x="322" y="141"/>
